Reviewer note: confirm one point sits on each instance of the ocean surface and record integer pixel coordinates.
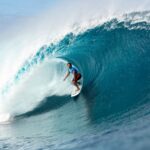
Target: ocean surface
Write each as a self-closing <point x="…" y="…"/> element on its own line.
<point x="112" y="111"/>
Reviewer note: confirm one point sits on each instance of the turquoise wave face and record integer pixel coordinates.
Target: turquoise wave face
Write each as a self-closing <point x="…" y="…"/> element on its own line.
<point x="114" y="63"/>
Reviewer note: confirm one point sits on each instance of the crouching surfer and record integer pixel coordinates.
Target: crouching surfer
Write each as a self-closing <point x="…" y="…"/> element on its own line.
<point x="76" y="75"/>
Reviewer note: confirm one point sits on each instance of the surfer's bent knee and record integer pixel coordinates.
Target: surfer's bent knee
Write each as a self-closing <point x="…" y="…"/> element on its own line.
<point x="73" y="81"/>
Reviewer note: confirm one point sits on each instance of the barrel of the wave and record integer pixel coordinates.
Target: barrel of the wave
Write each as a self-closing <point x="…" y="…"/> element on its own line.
<point x="114" y="63"/>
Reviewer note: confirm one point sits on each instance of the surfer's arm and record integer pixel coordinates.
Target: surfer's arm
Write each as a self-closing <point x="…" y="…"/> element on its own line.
<point x="68" y="73"/>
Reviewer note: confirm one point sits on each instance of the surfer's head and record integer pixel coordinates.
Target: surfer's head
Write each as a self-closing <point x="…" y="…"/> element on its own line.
<point x="69" y="65"/>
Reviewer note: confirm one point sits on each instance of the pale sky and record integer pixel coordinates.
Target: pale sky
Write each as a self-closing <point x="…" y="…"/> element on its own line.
<point x="12" y="11"/>
<point x="24" y="7"/>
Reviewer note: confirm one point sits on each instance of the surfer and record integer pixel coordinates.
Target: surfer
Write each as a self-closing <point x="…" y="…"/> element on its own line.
<point x="76" y="75"/>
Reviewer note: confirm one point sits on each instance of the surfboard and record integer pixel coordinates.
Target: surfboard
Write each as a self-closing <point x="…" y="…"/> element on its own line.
<point x="75" y="93"/>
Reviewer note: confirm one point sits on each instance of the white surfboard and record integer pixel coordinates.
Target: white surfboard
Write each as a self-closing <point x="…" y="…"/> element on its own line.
<point x="76" y="93"/>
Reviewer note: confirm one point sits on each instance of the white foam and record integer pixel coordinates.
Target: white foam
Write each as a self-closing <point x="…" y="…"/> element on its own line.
<point x="4" y="118"/>
<point x="42" y="81"/>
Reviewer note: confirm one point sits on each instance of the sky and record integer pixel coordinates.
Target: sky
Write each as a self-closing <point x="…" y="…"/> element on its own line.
<point x="13" y="10"/>
<point x="31" y="7"/>
<point x="23" y="7"/>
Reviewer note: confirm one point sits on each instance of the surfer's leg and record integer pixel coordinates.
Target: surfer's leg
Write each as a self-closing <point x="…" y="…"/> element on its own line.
<point x="75" y="81"/>
<point x="75" y="84"/>
<point x="78" y="78"/>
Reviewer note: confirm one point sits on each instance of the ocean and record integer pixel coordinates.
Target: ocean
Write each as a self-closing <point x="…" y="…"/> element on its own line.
<point x="113" y="108"/>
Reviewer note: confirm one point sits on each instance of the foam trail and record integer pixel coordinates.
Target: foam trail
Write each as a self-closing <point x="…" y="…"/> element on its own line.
<point x="39" y="83"/>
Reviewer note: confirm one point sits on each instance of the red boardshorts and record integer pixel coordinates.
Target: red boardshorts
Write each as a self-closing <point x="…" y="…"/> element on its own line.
<point x="77" y="77"/>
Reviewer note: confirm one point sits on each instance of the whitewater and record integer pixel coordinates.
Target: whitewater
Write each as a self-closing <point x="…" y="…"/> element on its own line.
<point x="111" y="50"/>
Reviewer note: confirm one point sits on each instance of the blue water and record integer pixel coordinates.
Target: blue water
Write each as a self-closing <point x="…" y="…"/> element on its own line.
<point x="113" y="109"/>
